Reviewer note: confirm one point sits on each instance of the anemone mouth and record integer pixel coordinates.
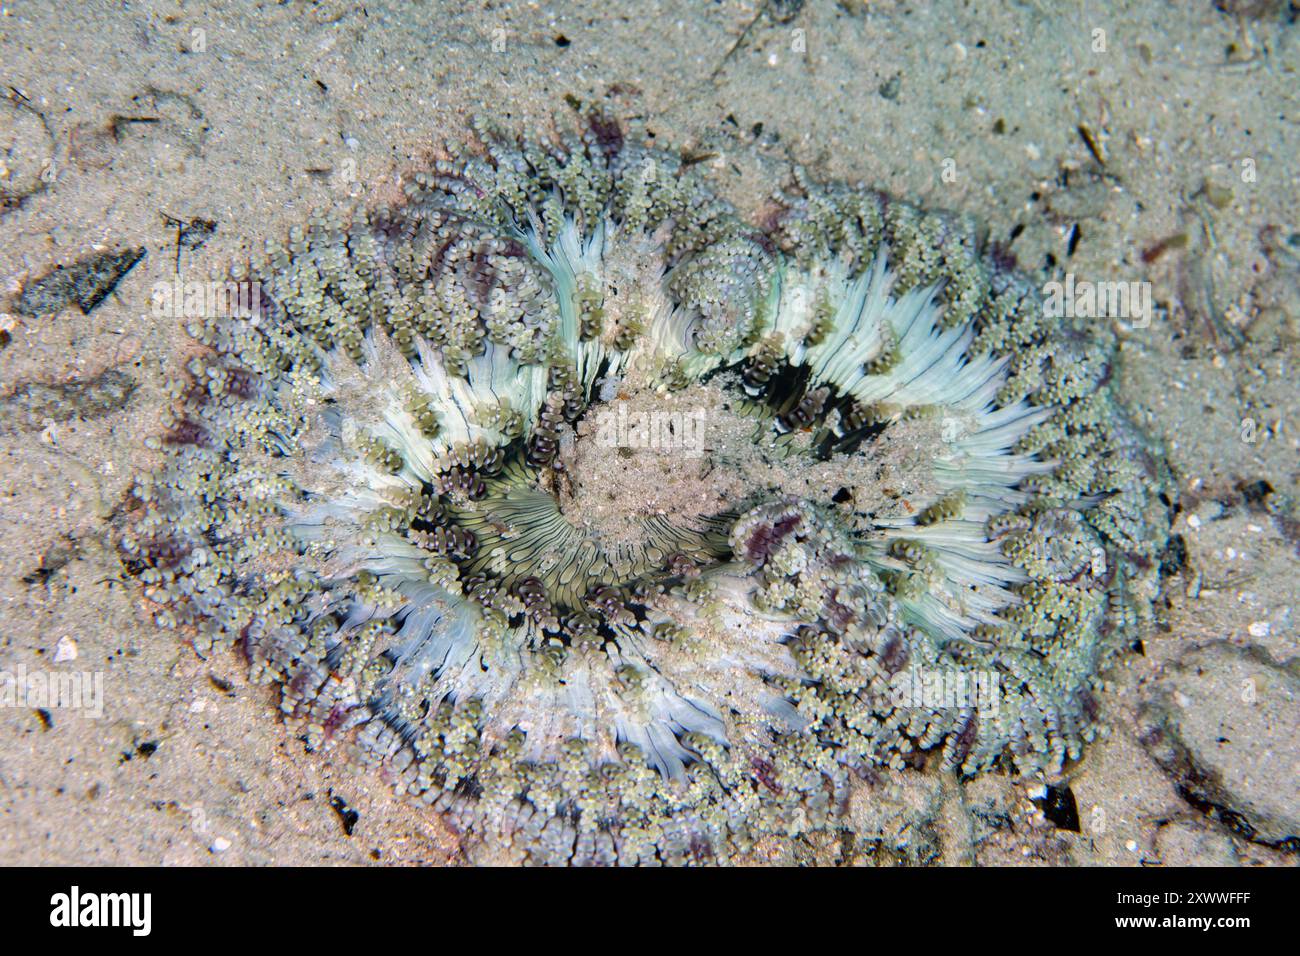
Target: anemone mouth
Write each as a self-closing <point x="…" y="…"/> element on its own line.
<point x="615" y="524"/>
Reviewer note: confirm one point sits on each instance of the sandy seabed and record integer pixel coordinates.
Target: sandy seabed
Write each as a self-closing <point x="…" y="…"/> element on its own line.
<point x="1113" y="141"/>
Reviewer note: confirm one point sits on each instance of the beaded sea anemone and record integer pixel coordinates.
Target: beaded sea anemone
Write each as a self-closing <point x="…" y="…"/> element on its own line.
<point x="620" y="529"/>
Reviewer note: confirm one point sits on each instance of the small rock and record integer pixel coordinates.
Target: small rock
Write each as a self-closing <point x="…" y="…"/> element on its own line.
<point x="65" y="650"/>
<point x="783" y="11"/>
<point x="1221" y="721"/>
<point x="85" y="283"/>
<point x="38" y="404"/>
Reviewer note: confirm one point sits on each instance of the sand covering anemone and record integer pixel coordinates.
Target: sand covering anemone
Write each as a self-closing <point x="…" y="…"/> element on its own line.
<point x="860" y="460"/>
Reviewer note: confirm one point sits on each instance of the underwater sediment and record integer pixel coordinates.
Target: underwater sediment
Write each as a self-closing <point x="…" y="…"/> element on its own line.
<point x="620" y="529"/>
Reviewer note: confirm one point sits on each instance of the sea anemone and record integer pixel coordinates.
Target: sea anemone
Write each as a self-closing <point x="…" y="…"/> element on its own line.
<point x="621" y="529"/>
